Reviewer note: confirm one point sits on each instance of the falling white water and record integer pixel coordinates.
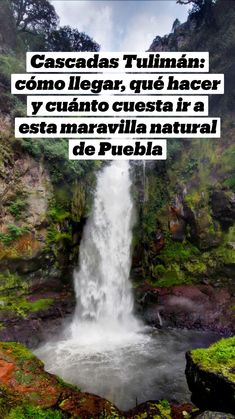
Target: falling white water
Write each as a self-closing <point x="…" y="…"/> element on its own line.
<point x="103" y="292"/>
<point x="105" y="350"/>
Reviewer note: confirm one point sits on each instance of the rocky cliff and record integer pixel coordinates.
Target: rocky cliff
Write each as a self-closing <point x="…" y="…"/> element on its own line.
<point x="186" y="231"/>
<point x="44" y="202"/>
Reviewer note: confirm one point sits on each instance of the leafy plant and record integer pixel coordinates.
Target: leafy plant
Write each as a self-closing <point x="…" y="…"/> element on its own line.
<point x="18" y="207"/>
<point x="13" y="233"/>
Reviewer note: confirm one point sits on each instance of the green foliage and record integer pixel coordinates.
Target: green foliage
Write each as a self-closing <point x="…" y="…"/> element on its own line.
<point x="170" y="276"/>
<point x="68" y="39"/>
<point x="177" y="263"/>
<point x="36" y="16"/>
<point x="178" y="251"/>
<point x="224" y="255"/>
<point x="55" y="152"/>
<point x="228" y="156"/>
<point x="218" y="358"/>
<point x="174" y="148"/>
<point x="18" y="207"/>
<point x="230" y="182"/>
<point x="194" y="199"/>
<point x="191" y="167"/>
<point x="164" y="408"/>
<point x="113" y="415"/>
<point x="10" y="64"/>
<point x="57" y="212"/>
<point x="55" y="236"/>
<point x="13" y="233"/>
<point x="33" y="412"/>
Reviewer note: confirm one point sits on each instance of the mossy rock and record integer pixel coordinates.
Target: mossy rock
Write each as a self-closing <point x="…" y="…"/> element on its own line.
<point x="211" y="376"/>
<point x="33" y="391"/>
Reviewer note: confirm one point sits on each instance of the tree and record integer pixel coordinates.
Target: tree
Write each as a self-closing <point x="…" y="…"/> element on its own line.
<point x="68" y="39"/>
<point x="202" y="10"/>
<point x="37" y="16"/>
<point x="7" y="26"/>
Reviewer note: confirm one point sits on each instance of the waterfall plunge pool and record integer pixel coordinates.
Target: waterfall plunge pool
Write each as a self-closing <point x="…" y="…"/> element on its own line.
<point x="126" y="369"/>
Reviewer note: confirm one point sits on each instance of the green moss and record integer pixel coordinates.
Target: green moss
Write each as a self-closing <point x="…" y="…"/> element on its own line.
<point x="112" y="415"/>
<point x="42" y="304"/>
<point x="67" y="385"/>
<point x="230" y="182"/>
<point x="22" y="307"/>
<point x="11" y="281"/>
<point x="158" y="410"/>
<point x="178" y="263"/>
<point x="195" y="267"/>
<point x="178" y="251"/>
<point x="193" y="199"/>
<point x="173" y="275"/>
<point x="22" y="378"/>
<point x="164" y="409"/>
<point x="224" y="255"/>
<point x="33" y="412"/>
<point x="19" y="352"/>
<point x="218" y="358"/>
<point x="228" y="157"/>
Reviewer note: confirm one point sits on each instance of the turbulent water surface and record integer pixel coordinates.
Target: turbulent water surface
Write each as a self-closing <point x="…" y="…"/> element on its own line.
<point x="105" y="350"/>
<point x="148" y="367"/>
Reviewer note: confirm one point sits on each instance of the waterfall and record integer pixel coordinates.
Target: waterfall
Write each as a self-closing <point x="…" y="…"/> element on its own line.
<point x="103" y="290"/>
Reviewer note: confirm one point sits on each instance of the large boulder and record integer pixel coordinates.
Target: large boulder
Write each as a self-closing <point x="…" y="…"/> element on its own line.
<point x="210" y="375"/>
<point x="187" y="306"/>
<point x="24" y="383"/>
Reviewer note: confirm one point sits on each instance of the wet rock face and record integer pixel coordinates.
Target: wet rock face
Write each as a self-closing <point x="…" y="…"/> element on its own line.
<point x="177" y="221"/>
<point x="35" y="327"/>
<point x="187" y="306"/>
<point x="223" y="207"/>
<point x="212" y="385"/>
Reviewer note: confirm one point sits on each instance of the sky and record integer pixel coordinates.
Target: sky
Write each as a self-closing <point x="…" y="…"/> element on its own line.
<point x="121" y="25"/>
